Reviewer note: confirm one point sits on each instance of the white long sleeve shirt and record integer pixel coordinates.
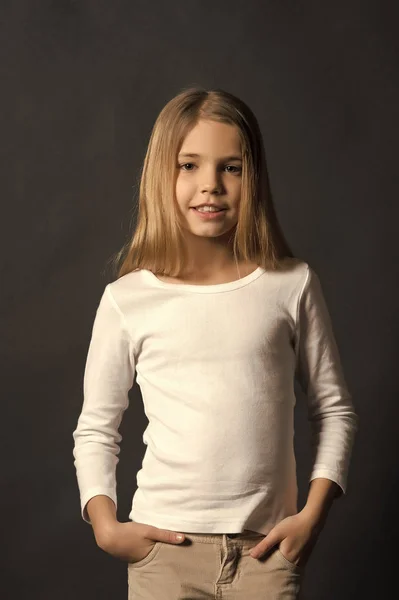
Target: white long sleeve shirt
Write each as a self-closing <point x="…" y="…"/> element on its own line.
<point x="216" y="366"/>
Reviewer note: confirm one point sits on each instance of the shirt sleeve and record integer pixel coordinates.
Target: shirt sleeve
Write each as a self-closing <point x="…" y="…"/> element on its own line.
<point x="108" y="377"/>
<point x="331" y="412"/>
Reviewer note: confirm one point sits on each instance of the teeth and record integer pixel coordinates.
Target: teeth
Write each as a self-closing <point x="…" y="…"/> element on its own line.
<point x="208" y="209"/>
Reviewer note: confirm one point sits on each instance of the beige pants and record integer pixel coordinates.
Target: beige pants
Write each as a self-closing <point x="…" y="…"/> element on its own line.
<point x="214" y="566"/>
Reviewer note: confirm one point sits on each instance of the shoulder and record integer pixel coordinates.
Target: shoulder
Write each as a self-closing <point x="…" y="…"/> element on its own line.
<point x="126" y="288"/>
<point x="296" y="281"/>
<point x="295" y="271"/>
<point x="126" y="282"/>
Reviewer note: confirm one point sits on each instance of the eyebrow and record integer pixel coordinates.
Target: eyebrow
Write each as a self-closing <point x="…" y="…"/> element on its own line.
<point x="194" y="155"/>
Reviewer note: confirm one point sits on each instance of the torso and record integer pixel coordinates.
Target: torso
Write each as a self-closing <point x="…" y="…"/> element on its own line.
<point x="225" y="276"/>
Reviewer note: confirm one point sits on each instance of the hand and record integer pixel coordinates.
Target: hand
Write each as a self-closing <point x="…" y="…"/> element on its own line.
<point x="133" y="541"/>
<point x="296" y="536"/>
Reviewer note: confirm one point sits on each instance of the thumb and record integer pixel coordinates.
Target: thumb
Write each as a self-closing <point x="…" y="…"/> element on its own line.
<point x="165" y="535"/>
<point x="272" y="538"/>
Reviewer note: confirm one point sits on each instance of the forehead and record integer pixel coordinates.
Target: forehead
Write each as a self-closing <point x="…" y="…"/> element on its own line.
<point x="213" y="139"/>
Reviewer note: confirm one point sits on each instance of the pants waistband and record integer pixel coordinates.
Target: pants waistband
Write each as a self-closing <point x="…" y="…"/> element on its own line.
<point x="219" y="538"/>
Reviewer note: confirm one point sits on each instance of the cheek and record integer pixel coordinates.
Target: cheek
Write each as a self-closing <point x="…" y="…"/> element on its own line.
<point x="183" y="190"/>
<point x="236" y="186"/>
<point x="179" y="184"/>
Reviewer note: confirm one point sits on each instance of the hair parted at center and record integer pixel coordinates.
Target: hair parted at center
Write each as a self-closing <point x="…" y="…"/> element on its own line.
<point x="157" y="243"/>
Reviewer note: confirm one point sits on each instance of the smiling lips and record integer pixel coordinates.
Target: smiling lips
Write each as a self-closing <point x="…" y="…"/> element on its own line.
<point x="207" y="214"/>
<point x="211" y="206"/>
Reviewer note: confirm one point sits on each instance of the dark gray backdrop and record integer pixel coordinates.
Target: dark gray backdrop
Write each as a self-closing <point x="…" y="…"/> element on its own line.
<point x="82" y="83"/>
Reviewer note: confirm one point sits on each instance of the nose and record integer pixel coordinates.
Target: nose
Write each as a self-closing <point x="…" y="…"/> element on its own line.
<point x="212" y="184"/>
<point x="211" y="190"/>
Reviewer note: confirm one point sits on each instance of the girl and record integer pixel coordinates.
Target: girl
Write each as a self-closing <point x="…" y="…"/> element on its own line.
<point x="215" y="317"/>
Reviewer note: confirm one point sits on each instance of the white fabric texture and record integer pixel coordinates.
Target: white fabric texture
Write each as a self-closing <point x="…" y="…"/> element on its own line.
<point x="215" y="365"/>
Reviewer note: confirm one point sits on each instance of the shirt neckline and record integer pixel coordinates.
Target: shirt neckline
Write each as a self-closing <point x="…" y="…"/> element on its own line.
<point x="212" y="288"/>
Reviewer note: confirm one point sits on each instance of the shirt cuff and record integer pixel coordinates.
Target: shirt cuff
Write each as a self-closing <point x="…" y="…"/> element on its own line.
<point x="90" y="494"/>
<point x="338" y="478"/>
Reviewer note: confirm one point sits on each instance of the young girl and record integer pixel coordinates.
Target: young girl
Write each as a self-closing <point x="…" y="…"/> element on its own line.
<point x="215" y="317"/>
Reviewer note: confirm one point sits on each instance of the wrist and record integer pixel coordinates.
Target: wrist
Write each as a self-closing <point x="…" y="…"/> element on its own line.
<point x="104" y="531"/>
<point x="102" y="512"/>
<point x="322" y="493"/>
<point x="316" y="515"/>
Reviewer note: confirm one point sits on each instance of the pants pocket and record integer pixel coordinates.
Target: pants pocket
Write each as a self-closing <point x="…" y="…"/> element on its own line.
<point x="147" y="559"/>
<point x="287" y="562"/>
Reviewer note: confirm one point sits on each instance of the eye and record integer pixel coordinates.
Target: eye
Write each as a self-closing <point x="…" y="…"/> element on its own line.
<point x="237" y="169"/>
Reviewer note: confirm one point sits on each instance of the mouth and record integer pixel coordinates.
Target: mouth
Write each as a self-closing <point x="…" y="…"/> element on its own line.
<point x="208" y="211"/>
<point x="209" y="215"/>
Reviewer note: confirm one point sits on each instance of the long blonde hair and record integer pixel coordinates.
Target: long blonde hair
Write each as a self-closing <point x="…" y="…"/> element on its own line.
<point x="157" y="243"/>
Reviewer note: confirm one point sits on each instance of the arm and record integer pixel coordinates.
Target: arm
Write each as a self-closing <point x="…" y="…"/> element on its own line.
<point x="108" y="377"/>
<point x="321" y="495"/>
<point x="101" y="511"/>
<point x="332" y="417"/>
